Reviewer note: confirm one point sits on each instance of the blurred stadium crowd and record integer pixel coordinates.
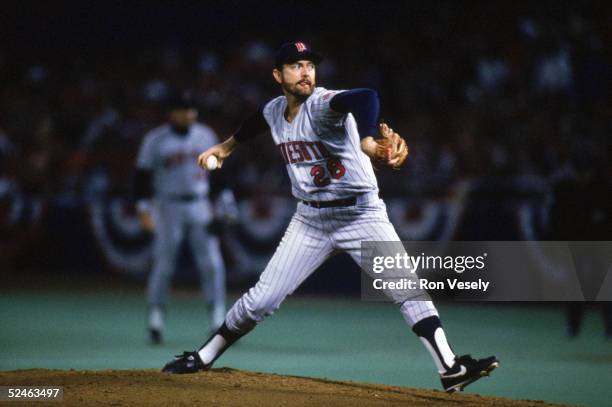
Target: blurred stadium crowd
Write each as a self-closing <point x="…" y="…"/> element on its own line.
<point x="506" y="106"/>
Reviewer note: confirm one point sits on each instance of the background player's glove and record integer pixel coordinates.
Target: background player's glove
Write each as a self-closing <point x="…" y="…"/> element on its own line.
<point x="391" y="149"/>
<point x="226" y="212"/>
<point x="226" y="207"/>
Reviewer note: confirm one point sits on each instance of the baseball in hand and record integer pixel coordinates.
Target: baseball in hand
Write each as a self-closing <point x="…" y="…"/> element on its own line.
<point x="211" y="163"/>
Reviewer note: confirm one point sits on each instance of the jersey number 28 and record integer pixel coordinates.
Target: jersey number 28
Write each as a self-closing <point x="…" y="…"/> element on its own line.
<point x="322" y="178"/>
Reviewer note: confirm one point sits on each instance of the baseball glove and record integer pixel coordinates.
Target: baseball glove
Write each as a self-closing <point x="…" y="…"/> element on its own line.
<point x="391" y="149"/>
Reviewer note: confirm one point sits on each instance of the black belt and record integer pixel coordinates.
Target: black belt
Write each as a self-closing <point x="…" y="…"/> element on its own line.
<point x="185" y="197"/>
<point x="331" y="204"/>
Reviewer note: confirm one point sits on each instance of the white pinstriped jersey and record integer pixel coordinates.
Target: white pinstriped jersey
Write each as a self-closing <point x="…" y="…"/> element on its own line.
<point x="321" y="149"/>
<point x="172" y="158"/>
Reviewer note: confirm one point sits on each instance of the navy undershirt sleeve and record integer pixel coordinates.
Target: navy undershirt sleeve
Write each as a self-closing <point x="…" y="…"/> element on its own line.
<point x="252" y="127"/>
<point x="364" y="104"/>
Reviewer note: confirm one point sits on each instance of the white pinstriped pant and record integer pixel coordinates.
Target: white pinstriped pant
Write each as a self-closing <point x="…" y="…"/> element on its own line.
<point x="174" y="221"/>
<point x="313" y="236"/>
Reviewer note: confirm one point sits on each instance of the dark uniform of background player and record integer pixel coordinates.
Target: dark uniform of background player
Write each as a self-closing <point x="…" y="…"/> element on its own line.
<point x="174" y="202"/>
<point x="582" y="211"/>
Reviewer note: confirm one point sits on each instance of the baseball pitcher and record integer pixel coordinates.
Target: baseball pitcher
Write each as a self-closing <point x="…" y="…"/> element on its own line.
<point x="328" y="140"/>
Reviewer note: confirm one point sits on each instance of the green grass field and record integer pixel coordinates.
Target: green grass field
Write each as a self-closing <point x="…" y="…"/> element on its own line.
<point x="327" y="338"/>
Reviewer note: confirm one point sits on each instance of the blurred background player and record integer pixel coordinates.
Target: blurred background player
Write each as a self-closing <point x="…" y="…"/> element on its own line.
<point x="584" y="193"/>
<point x="173" y="203"/>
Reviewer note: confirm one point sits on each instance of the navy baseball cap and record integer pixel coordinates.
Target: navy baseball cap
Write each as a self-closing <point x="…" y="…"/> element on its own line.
<point x="294" y="51"/>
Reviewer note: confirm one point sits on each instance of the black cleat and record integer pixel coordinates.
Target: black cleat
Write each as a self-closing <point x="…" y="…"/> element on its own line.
<point x="155" y="337"/>
<point x="188" y="362"/>
<point x="466" y="370"/>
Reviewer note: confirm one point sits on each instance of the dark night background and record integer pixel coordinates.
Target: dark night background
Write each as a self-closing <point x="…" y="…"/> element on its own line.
<point x="505" y="106"/>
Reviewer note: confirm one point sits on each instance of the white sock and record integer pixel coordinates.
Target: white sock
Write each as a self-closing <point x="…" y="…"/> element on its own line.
<point x="209" y="352"/>
<point x="440" y="342"/>
<point x="430" y="331"/>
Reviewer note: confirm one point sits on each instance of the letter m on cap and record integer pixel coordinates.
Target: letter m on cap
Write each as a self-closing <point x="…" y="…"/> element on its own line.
<point x="300" y="46"/>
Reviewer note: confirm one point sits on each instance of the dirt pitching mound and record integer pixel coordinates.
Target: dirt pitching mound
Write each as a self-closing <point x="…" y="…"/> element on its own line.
<point x="229" y="387"/>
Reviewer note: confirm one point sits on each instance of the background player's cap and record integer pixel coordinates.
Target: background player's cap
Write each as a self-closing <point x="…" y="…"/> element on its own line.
<point x="294" y="51"/>
<point x="180" y="100"/>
